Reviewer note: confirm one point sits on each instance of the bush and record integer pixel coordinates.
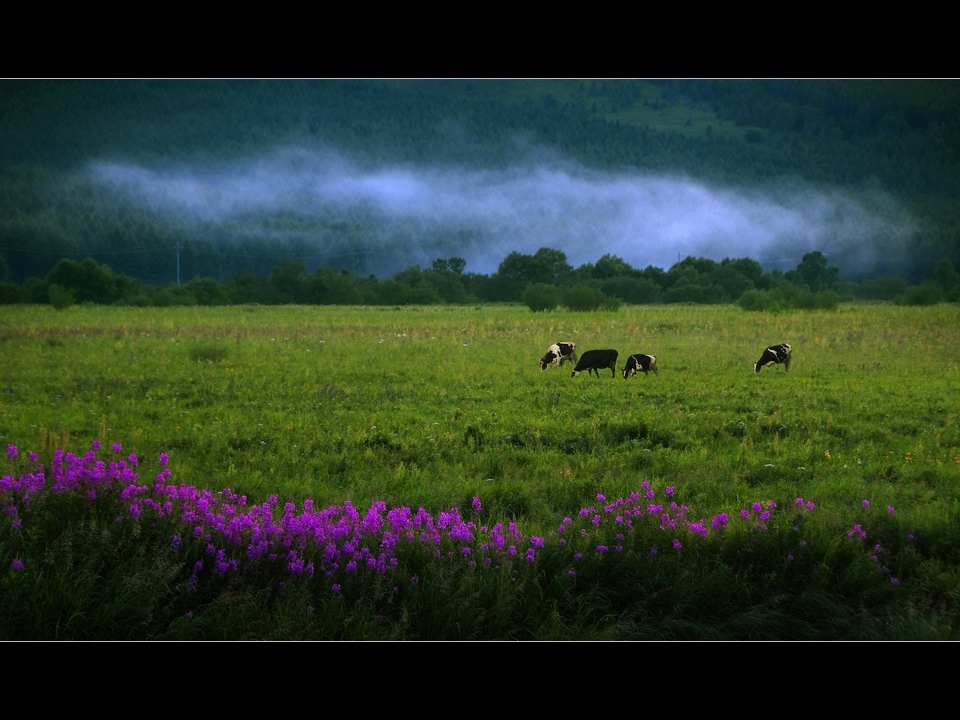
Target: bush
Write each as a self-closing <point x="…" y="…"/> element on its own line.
<point x="583" y="297"/>
<point x="788" y="297"/>
<point x="10" y="294"/>
<point x="60" y="297"/>
<point x="175" y="295"/>
<point x="540" y="297"/>
<point x="927" y="293"/>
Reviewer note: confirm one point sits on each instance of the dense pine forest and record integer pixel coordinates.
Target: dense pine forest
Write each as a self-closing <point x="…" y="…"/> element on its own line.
<point x="573" y="192"/>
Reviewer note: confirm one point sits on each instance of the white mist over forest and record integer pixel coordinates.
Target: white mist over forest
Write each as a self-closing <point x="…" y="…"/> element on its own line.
<point x="483" y="215"/>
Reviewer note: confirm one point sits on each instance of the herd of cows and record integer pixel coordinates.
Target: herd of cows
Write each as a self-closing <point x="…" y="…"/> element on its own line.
<point x="593" y="361"/>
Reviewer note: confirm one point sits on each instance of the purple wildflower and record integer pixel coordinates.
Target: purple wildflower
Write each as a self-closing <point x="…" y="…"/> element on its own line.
<point x="11" y="451"/>
<point x="572" y="573"/>
<point x="17" y="564"/>
<point x="669" y="490"/>
<point x="531" y="555"/>
<point x="895" y="581"/>
<point x="857" y="531"/>
<point x="477" y="505"/>
<point x="677" y="545"/>
<point x="601" y="549"/>
<point x="890" y="509"/>
<point x="719" y="521"/>
<point x="866" y="504"/>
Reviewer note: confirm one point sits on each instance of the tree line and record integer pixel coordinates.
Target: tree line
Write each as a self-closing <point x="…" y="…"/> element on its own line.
<point x="543" y="281"/>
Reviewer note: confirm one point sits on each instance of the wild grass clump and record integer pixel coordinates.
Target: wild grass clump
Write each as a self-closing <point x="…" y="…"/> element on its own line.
<point x="92" y="551"/>
<point x="209" y="352"/>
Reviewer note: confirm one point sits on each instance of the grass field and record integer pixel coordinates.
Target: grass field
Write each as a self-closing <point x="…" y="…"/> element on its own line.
<point x="431" y="407"/>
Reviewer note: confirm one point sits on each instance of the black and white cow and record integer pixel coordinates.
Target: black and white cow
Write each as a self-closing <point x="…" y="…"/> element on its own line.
<point x="558" y="353"/>
<point x="595" y="360"/>
<point x="640" y="363"/>
<point x="774" y="355"/>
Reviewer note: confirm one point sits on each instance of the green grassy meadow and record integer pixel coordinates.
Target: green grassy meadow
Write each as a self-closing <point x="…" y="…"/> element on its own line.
<point x="432" y="406"/>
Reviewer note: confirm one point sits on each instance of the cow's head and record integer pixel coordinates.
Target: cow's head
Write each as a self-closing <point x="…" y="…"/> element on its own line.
<point x="548" y="360"/>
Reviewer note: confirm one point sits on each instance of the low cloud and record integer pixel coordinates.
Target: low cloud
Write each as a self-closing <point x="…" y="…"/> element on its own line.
<point x="483" y="215"/>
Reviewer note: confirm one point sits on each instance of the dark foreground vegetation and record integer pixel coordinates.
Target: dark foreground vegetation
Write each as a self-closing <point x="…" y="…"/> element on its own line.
<point x="98" y="547"/>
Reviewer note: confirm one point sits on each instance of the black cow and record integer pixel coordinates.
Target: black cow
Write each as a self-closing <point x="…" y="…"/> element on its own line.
<point x="640" y="363"/>
<point x="774" y="355"/>
<point x="558" y="354"/>
<point x="595" y="360"/>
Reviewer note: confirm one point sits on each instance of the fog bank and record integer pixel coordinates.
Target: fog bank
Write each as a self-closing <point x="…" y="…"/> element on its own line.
<point x="483" y="215"/>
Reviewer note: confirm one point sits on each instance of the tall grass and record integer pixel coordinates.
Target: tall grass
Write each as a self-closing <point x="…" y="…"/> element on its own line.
<point x="99" y="552"/>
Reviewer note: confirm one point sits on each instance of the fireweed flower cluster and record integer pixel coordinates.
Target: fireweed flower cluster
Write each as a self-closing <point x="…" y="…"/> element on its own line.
<point x="332" y="544"/>
<point x="858" y="533"/>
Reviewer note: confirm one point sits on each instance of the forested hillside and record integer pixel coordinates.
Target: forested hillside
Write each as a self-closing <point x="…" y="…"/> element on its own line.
<point x="168" y="181"/>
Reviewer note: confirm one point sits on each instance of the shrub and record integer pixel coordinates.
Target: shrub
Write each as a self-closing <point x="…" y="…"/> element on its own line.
<point x="9" y="294"/>
<point x="583" y="298"/>
<point x="540" y="297"/>
<point x="60" y="297"/>
<point x="927" y="293"/>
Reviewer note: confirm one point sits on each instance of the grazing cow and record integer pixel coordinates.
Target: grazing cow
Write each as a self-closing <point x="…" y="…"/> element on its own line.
<point x="641" y="363"/>
<point x="595" y="360"/>
<point x="774" y="355"/>
<point x="558" y="354"/>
